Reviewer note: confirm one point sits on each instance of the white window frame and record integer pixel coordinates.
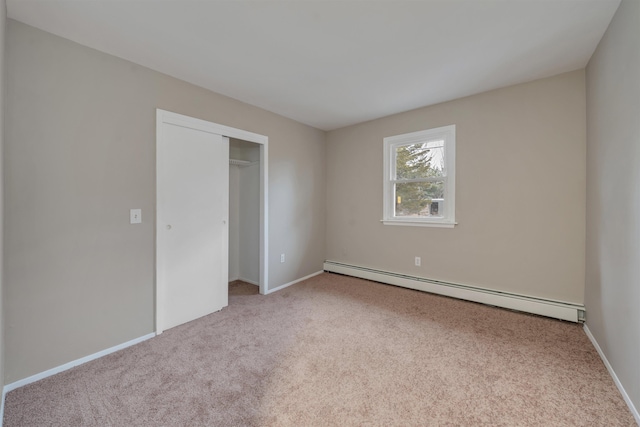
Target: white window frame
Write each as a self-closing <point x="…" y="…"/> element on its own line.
<point x="446" y="133"/>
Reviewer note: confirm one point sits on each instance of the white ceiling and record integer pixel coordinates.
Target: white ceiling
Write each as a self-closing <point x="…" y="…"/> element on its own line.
<point x="331" y="64"/>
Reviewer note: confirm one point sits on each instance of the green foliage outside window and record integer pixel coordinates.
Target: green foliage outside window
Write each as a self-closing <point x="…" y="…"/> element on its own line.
<point x="418" y="161"/>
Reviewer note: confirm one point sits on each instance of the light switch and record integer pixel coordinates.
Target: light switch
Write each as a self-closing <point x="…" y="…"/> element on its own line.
<point x="135" y="216"/>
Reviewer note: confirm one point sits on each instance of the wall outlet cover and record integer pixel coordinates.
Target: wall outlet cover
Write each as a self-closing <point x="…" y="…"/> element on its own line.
<point x="135" y="216"/>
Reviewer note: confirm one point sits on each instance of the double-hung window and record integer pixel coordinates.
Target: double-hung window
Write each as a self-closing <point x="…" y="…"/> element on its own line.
<point x="419" y="178"/>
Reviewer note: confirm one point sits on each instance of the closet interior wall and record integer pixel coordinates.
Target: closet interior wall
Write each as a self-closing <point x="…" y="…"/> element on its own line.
<point x="244" y="212"/>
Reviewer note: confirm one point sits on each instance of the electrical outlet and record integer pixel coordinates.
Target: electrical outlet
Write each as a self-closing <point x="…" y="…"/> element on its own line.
<point x="135" y="216"/>
<point x="281" y="257"/>
<point x="418" y="261"/>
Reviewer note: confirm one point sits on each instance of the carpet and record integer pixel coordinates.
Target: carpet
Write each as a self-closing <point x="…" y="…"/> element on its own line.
<point x="338" y="351"/>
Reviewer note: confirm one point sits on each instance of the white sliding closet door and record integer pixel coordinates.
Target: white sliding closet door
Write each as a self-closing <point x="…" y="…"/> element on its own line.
<point x="192" y="224"/>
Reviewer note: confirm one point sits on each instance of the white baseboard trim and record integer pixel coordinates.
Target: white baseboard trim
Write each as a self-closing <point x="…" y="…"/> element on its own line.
<point x="233" y="279"/>
<point x="556" y="309"/>
<point x="279" y="288"/>
<point x="33" y="378"/>
<point x="251" y="282"/>
<point x="623" y="392"/>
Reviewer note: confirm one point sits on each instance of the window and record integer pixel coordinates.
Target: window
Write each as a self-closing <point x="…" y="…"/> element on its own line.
<point x="419" y="178"/>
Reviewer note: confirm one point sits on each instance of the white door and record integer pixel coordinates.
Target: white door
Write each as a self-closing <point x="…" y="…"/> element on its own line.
<point x="192" y="224"/>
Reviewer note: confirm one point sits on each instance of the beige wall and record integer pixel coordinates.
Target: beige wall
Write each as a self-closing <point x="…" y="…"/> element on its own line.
<point x="520" y="192"/>
<point x="249" y="218"/>
<point x="613" y="196"/>
<point x="234" y="224"/>
<point x="80" y="152"/>
<point x="3" y="19"/>
<point x="244" y="213"/>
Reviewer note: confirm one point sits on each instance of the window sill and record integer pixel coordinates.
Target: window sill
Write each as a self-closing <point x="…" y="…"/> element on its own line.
<point x="439" y="224"/>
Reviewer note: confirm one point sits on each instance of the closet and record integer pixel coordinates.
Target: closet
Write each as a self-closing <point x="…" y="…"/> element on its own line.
<point x="244" y="211"/>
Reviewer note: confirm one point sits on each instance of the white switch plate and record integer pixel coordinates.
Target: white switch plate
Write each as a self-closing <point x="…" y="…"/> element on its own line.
<point x="135" y="216"/>
<point x="418" y="261"/>
<point x="281" y="257"/>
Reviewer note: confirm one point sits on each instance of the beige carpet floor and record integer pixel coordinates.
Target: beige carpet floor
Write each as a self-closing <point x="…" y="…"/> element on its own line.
<point x="338" y="351"/>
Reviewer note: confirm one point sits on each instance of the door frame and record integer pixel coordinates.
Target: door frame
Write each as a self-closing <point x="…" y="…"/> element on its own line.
<point x="168" y="117"/>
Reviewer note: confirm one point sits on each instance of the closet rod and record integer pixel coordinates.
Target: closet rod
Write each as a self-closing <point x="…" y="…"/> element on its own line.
<point x="237" y="162"/>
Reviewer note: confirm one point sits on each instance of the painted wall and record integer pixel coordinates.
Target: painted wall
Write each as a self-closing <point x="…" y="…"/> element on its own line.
<point x="3" y="20"/>
<point x="234" y="223"/>
<point x="613" y="196"/>
<point x="244" y="213"/>
<point x="520" y="192"/>
<point x="249" y="218"/>
<point x="80" y="152"/>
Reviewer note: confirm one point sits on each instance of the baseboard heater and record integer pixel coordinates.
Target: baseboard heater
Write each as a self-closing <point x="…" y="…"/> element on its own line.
<point x="540" y="306"/>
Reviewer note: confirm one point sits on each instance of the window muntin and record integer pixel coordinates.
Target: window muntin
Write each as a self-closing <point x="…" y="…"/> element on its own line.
<point x="419" y="184"/>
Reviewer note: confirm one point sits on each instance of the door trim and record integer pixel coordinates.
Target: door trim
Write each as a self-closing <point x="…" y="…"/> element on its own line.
<point x="168" y="117"/>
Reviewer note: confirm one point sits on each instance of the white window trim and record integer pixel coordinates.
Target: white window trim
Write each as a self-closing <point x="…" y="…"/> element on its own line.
<point x="448" y="133"/>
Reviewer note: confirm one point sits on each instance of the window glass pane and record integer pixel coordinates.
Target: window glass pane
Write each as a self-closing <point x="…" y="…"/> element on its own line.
<point x="420" y="160"/>
<point x="420" y="199"/>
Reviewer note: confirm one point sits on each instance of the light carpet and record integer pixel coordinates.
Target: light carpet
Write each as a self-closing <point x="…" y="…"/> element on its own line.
<point x="338" y="351"/>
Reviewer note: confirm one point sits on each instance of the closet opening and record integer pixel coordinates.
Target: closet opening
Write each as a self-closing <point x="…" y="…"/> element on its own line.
<point x="244" y="217"/>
